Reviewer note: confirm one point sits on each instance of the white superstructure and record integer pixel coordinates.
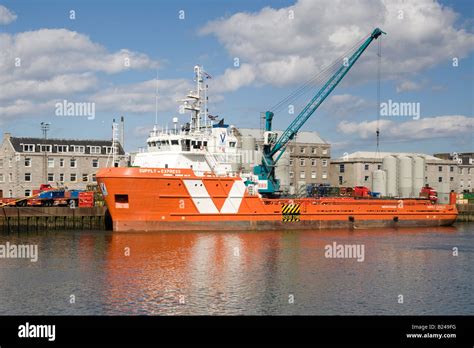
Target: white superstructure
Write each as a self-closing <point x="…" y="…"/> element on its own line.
<point x="201" y="144"/>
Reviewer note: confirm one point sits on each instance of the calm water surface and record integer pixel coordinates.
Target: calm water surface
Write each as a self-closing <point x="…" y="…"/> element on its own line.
<point x="241" y="273"/>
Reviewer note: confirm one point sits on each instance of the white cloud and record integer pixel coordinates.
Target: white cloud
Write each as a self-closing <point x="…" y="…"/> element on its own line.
<point x="425" y="128"/>
<point x="346" y="104"/>
<point x="6" y="16"/>
<point x="47" y="52"/>
<point x="233" y="78"/>
<point x="279" y="50"/>
<point x="141" y="97"/>
<point x="42" y="66"/>
<point x="406" y="86"/>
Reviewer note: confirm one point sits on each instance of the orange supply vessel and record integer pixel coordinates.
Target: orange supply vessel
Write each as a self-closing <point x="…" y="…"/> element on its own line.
<point x="155" y="199"/>
<point x="191" y="178"/>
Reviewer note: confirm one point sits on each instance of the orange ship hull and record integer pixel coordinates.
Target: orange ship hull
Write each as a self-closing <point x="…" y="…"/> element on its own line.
<point x="157" y="199"/>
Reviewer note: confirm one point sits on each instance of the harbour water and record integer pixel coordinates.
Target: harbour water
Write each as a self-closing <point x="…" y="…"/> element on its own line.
<point x="424" y="271"/>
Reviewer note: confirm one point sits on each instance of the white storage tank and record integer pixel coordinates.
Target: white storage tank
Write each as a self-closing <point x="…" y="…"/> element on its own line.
<point x="379" y="182"/>
<point x="405" y="176"/>
<point x="389" y="165"/>
<point x="282" y="171"/>
<point x="248" y="152"/>
<point x="418" y="174"/>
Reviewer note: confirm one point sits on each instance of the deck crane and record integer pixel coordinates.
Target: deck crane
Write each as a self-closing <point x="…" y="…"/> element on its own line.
<point x="271" y="145"/>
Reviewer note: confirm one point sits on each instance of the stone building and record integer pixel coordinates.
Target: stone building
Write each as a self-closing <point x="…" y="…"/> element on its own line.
<point x="465" y="169"/>
<point x="356" y="169"/>
<point x="308" y="157"/>
<point x="26" y="163"/>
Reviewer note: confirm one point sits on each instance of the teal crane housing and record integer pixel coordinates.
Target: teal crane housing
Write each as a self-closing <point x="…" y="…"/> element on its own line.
<point x="276" y="146"/>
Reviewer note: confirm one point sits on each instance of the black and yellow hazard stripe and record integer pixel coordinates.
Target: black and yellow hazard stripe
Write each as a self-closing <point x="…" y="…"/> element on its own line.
<point x="291" y="212"/>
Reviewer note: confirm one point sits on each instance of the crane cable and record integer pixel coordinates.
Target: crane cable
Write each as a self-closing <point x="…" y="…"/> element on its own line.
<point x="319" y="77"/>
<point x="379" y="63"/>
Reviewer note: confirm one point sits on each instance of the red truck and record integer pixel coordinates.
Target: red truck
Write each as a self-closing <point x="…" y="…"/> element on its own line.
<point x="48" y="196"/>
<point x="430" y="193"/>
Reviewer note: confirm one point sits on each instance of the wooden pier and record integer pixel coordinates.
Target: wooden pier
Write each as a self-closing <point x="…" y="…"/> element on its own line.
<point x="466" y="212"/>
<point x="15" y="219"/>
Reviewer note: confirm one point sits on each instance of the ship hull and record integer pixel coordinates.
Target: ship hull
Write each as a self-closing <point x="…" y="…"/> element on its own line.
<point x="159" y="199"/>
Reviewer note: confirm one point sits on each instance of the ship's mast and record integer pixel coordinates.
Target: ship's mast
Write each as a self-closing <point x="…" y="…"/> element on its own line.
<point x="196" y="101"/>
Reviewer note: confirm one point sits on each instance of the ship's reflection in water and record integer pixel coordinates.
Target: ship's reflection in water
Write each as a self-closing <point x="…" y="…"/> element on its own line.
<point x="242" y="273"/>
<point x="288" y="273"/>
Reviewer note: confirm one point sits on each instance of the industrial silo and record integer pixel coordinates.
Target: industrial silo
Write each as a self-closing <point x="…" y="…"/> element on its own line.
<point x="405" y="176"/>
<point x="389" y="164"/>
<point x="248" y="152"/>
<point x="418" y="174"/>
<point x="282" y="171"/>
<point x="379" y="182"/>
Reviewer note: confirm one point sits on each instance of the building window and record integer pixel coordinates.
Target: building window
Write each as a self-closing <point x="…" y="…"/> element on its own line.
<point x="94" y="179"/>
<point x="440" y="179"/>
<point x="108" y="150"/>
<point x="468" y="170"/>
<point x="95" y="163"/>
<point x="366" y="178"/>
<point x="2" y="178"/>
<point x="46" y="148"/>
<point x="340" y="180"/>
<point x="28" y="148"/>
<point x="73" y="163"/>
<point x="325" y="163"/>
<point x="61" y="162"/>
<point x="10" y="177"/>
<point x="451" y="169"/>
<point x="366" y="167"/>
<point x="27" y="193"/>
<point x="78" y="148"/>
<point x="302" y="175"/>
<point x="28" y="177"/>
<point x="314" y="162"/>
<point x="325" y="151"/>
<point x="27" y="162"/>
<point x="61" y="148"/>
<point x="341" y="168"/>
<point x="451" y="179"/>
<point x="325" y="175"/>
<point x="50" y="162"/>
<point x="1" y="162"/>
<point x="313" y="175"/>
<point x="50" y="177"/>
<point x="292" y="175"/>
<point x="61" y="177"/>
<point x="302" y="150"/>
<point x="291" y="162"/>
<point x="73" y="177"/>
<point x="314" y="151"/>
<point x="302" y="162"/>
<point x="460" y="171"/>
<point x="95" y="149"/>
<point x="292" y="149"/>
<point x="440" y="169"/>
<point x="10" y="164"/>
<point x="379" y="166"/>
<point x="85" y="177"/>
<point x="10" y="193"/>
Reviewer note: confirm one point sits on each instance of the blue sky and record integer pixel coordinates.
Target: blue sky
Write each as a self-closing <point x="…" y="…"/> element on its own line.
<point x="79" y="60"/>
